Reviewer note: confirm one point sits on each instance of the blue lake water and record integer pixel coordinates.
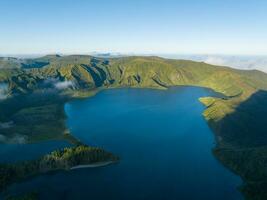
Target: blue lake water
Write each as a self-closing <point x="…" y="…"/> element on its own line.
<point x="164" y="144"/>
<point x="10" y="153"/>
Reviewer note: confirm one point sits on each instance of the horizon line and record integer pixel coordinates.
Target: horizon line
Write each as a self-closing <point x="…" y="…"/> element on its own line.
<point x="93" y="53"/>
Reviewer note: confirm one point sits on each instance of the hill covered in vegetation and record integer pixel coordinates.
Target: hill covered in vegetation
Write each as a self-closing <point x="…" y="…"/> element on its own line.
<point x="38" y="89"/>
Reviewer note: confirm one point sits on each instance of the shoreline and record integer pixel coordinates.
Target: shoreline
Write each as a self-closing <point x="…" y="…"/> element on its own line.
<point x="94" y="165"/>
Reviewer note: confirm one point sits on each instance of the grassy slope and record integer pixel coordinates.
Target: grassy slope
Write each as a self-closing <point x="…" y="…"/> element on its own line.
<point x="228" y="117"/>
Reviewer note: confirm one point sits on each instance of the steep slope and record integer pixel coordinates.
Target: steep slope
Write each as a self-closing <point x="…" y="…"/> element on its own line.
<point x="89" y="72"/>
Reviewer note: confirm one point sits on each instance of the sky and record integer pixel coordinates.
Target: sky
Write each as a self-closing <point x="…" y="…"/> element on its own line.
<point x="236" y="27"/>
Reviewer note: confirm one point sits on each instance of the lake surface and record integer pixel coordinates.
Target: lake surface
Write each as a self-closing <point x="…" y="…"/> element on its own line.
<point x="11" y="153"/>
<point x="164" y="143"/>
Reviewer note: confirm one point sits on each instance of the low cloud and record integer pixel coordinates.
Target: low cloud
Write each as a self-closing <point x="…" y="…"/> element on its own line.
<point x="3" y="139"/>
<point x="215" y="60"/>
<point x="57" y="84"/>
<point x="234" y="61"/>
<point x="64" y="85"/>
<point x="239" y="62"/>
<point x="4" y="125"/>
<point x="3" y="91"/>
<point x="17" y="139"/>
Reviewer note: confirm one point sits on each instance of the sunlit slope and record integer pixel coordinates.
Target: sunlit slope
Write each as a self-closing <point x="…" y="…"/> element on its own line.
<point x="154" y="71"/>
<point x="89" y="72"/>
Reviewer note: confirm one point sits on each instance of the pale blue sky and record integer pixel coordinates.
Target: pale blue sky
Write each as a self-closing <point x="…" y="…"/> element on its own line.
<point x="133" y="26"/>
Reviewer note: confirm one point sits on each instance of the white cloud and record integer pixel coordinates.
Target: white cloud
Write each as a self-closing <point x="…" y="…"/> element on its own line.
<point x="63" y="85"/>
<point x="3" y="138"/>
<point x="215" y="60"/>
<point x="3" y="91"/>
<point x="4" y="125"/>
<point x="17" y="139"/>
<point x="56" y="83"/>
<point x="240" y="62"/>
<point x="234" y="61"/>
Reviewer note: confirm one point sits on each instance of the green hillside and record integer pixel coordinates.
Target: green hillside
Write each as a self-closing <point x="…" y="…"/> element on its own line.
<point x="238" y="119"/>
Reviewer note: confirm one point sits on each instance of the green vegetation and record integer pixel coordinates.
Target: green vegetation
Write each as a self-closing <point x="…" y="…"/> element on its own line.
<point x="241" y="142"/>
<point x="34" y="117"/>
<point x="57" y="160"/>
<point x="40" y="87"/>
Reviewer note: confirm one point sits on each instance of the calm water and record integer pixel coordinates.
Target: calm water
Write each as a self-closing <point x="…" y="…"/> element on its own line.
<point x="163" y="142"/>
<point x="18" y="152"/>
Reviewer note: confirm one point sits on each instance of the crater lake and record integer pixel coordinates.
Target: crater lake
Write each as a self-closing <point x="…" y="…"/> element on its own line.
<point x="163" y="141"/>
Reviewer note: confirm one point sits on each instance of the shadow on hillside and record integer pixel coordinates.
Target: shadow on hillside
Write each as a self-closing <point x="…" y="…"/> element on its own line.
<point x="98" y="74"/>
<point x="33" y="117"/>
<point x="14" y="104"/>
<point x="246" y="132"/>
<point x="247" y="126"/>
